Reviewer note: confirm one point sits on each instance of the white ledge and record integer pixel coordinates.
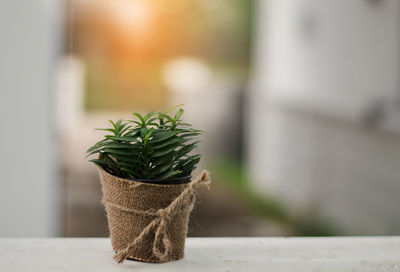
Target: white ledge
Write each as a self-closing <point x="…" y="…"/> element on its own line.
<point x="210" y="254"/>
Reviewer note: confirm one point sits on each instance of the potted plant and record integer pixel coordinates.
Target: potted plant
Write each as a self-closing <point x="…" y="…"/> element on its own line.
<point x="145" y="167"/>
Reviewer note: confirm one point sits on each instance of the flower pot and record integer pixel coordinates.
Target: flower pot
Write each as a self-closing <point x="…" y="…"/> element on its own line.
<point x="148" y="219"/>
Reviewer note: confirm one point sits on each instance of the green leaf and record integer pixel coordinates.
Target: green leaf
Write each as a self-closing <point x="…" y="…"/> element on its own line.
<point x="151" y="121"/>
<point x="94" y="152"/>
<point x="122" y="145"/>
<point x="136" y="122"/>
<point x="182" y="162"/>
<point x="184" y="124"/>
<point x="119" y="151"/>
<point x="103" y="162"/>
<point x="132" y="133"/>
<point x="169" y="118"/>
<point x="190" y="165"/>
<point x="124" y="158"/>
<point x="190" y="134"/>
<point x="124" y="138"/>
<point x="148" y="134"/>
<point x="164" y="135"/>
<point x="148" y="116"/>
<point x="124" y="129"/>
<point x="185" y="150"/>
<point x="173" y="108"/>
<point x="140" y="118"/>
<point x="170" y="174"/>
<point x="162" y="160"/>
<point x="98" y="145"/>
<point x="179" y="114"/>
<point x="163" y="152"/>
<point x="175" y="141"/>
<point x="162" y="168"/>
<point x="113" y="124"/>
<point x="130" y="165"/>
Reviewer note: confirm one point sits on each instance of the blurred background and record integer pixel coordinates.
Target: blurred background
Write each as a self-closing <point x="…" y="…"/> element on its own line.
<point x="300" y="98"/>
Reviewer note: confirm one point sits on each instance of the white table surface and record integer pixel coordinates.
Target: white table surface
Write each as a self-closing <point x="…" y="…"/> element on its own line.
<point x="210" y="254"/>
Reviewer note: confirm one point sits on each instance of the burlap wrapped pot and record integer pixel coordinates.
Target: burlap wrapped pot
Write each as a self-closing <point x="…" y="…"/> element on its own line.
<point x="148" y="222"/>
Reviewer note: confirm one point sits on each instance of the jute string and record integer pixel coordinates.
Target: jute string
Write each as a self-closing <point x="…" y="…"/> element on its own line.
<point x="160" y="222"/>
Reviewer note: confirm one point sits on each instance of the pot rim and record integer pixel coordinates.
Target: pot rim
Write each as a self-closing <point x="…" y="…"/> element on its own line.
<point x="161" y="182"/>
<point x="170" y="181"/>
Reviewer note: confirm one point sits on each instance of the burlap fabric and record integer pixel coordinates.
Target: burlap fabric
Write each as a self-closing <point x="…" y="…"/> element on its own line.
<point x="148" y="222"/>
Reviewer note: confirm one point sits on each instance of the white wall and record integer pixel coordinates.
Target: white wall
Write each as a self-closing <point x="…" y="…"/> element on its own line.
<point x="321" y="68"/>
<point x="330" y="57"/>
<point x="30" y="33"/>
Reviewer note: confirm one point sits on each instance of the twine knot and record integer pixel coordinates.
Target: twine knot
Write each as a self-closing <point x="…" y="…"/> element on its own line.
<point x="163" y="214"/>
<point x="162" y="244"/>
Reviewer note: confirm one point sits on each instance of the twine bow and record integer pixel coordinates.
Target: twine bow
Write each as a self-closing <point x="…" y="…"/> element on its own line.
<point x="162" y="244"/>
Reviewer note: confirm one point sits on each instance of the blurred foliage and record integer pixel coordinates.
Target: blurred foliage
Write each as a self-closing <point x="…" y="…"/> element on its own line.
<point x="125" y="44"/>
<point x="234" y="176"/>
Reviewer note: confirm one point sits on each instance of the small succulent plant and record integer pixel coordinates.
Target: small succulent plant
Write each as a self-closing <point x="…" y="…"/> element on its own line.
<point x="155" y="146"/>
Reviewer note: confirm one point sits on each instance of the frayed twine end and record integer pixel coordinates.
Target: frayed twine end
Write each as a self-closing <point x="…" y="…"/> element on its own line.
<point x="121" y="256"/>
<point x="205" y="178"/>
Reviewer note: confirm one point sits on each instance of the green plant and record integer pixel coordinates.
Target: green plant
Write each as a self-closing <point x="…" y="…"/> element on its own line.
<point x="154" y="146"/>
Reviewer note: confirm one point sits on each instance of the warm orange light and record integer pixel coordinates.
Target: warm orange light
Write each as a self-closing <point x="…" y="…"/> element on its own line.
<point x="132" y="15"/>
